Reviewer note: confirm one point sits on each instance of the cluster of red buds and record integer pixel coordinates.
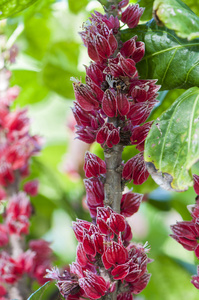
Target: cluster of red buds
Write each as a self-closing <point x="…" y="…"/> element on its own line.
<point x="187" y="232"/>
<point x="111" y="109"/>
<point x="17" y="146"/>
<point x="104" y="256"/>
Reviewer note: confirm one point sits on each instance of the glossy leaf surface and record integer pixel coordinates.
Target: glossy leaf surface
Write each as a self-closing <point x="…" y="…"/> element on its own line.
<point x="11" y="7"/>
<point x="172" y="145"/>
<point x="177" y="16"/>
<point x="38" y="294"/>
<point x="168" y="58"/>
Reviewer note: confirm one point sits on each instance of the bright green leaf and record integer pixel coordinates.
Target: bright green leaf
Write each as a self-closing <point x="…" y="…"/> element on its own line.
<point x="171" y="60"/>
<point x="38" y="294"/>
<point x="177" y="16"/>
<point x="31" y="88"/>
<point x="169" y="281"/>
<point x="172" y="145"/>
<point x="11" y="7"/>
<point x="59" y="66"/>
<point x="77" y="6"/>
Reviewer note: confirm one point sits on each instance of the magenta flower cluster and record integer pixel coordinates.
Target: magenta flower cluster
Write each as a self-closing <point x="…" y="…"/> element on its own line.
<point x="17" y="147"/>
<point x="187" y="232"/>
<point x="111" y="109"/>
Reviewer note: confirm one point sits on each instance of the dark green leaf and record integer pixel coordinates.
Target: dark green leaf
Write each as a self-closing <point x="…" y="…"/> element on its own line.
<point x="171" y="60"/>
<point x="11" y="7"/>
<point x="172" y="145"/>
<point x="177" y="16"/>
<point x="38" y="294"/>
<point x="59" y="66"/>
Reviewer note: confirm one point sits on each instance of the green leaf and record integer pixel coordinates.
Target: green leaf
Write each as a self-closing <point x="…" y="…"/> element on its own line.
<point x="39" y="293"/>
<point x="169" y="281"/>
<point x="32" y="90"/>
<point x="172" y="145"/>
<point x="77" y="6"/>
<point x="11" y="7"/>
<point x="59" y="66"/>
<point x="148" y="5"/>
<point x="168" y="58"/>
<point x="177" y="16"/>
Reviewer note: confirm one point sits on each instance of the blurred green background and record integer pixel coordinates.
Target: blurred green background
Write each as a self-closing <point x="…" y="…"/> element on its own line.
<point x="50" y="53"/>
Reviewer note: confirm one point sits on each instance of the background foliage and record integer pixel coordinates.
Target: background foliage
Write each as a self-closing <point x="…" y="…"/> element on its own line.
<point x="50" y="52"/>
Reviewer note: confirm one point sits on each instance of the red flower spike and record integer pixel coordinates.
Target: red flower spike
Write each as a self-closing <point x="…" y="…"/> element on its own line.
<point x="117" y="223"/>
<point x="81" y="255"/>
<point x="94" y="165"/>
<point x="131" y="15"/>
<point x="93" y="285"/>
<point x="109" y="105"/>
<point x="135" y="169"/>
<point x="84" y="97"/>
<point x="113" y="138"/>
<point x="130" y="203"/>
<point x="123" y="105"/>
<point x="196" y="183"/>
<point x="116" y="254"/>
<point x="88" y="245"/>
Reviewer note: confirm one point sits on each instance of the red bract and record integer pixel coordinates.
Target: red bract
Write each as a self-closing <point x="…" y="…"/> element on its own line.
<point x="3" y="235"/>
<point x="139" y="135"/>
<point x="93" y="285"/>
<point x="94" y="166"/>
<point x="139" y="112"/>
<point x="132" y="49"/>
<point x="10" y="269"/>
<point x="94" y="194"/>
<point x="85" y="97"/>
<point x="18" y="213"/>
<point x="31" y="187"/>
<point x="196" y="183"/>
<point x="130" y="203"/>
<point x="109" y="135"/>
<point x="186" y="233"/>
<point x="114" y="254"/>
<point x="109" y="104"/>
<point x="131" y="15"/>
<point x="135" y="169"/>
